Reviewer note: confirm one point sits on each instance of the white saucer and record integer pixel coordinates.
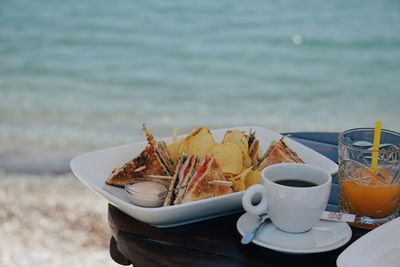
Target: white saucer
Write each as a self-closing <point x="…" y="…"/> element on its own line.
<point x="325" y="236"/>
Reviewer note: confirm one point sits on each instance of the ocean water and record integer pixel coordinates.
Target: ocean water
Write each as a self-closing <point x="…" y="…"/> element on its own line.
<point x="79" y="75"/>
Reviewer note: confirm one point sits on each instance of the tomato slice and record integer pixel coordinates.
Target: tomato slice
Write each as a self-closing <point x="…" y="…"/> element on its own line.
<point x="202" y="168"/>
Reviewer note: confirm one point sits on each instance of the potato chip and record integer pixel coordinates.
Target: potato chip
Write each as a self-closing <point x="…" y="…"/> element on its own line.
<point x="239" y="181"/>
<point x="228" y="156"/>
<point x="238" y="138"/>
<point x="247" y="162"/>
<point x="173" y="149"/>
<point x="198" y="143"/>
<point x="183" y="147"/>
<point x="253" y="177"/>
<point x="228" y="175"/>
<point x="238" y="186"/>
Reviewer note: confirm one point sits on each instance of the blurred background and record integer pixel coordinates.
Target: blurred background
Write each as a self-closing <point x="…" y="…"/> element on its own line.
<point x="81" y="75"/>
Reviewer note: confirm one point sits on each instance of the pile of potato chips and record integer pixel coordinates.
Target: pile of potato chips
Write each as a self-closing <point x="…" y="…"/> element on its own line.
<point x="232" y="154"/>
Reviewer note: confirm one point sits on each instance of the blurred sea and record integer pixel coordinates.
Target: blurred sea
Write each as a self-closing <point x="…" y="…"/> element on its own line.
<point x="80" y="75"/>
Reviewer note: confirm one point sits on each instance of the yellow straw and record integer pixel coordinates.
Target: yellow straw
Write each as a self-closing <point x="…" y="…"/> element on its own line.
<point x="375" y="148"/>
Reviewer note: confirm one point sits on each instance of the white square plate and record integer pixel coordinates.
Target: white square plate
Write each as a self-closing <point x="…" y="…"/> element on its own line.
<point x="93" y="168"/>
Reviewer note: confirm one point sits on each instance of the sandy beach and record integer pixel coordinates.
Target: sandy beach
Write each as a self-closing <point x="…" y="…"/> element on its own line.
<point x="51" y="220"/>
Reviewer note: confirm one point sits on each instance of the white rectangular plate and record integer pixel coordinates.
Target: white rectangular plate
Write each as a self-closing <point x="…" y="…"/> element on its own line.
<point x="93" y="168"/>
<point x="378" y="248"/>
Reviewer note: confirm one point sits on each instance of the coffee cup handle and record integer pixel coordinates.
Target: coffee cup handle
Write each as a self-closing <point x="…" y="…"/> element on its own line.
<point x="249" y="194"/>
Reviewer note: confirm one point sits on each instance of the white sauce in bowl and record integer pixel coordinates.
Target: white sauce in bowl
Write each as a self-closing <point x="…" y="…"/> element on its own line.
<point x="146" y="194"/>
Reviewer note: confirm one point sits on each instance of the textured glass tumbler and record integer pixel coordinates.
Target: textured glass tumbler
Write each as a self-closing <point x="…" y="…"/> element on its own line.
<point x="372" y="196"/>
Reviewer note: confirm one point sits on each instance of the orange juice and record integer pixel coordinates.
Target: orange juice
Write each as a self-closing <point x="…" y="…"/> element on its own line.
<point x="367" y="194"/>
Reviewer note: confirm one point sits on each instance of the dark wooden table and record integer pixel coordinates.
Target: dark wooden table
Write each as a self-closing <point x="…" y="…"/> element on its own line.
<point x="215" y="242"/>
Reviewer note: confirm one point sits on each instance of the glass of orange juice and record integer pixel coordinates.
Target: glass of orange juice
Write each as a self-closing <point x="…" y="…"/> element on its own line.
<point x="372" y="195"/>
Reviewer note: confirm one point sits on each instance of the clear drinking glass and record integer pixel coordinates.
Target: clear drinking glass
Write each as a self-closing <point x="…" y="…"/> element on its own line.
<point x="373" y="197"/>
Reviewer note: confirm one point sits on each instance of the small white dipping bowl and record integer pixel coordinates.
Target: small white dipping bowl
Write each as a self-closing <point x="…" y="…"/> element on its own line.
<point x="146" y="193"/>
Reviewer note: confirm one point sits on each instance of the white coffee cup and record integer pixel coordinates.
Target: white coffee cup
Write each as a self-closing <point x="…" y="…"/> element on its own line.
<point x="291" y="209"/>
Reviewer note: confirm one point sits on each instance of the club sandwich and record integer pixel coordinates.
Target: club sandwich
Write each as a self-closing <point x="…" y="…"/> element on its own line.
<point x="254" y="148"/>
<point x="191" y="180"/>
<point x="153" y="160"/>
<point x="278" y="152"/>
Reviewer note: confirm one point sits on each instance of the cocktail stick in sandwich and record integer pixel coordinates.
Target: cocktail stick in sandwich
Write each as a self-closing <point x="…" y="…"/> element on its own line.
<point x="278" y="152"/>
<point x="153" y="160"/>
<point x="254" y="148"/>
<point x="191" y="180"/>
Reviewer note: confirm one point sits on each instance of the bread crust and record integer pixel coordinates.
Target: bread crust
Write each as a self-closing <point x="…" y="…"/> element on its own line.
<point x="149" y="159"/>
<point x="201" y="189"/>
<point x="127" y="174"/>
<point x="279" y="153"/>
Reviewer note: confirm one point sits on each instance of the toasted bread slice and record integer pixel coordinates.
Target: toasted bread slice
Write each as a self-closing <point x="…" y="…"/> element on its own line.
<point x="185" y="175"/>
<point x="199" y="188"/>
<point x="161" y="150"/>
<point x="127" y="173"/>
<point x="254" y="153"/>
<point x="173" y="187"/>
<point x="279" y="152"/>
<point x="153" y="160"/>
<point x="254" y="148"/>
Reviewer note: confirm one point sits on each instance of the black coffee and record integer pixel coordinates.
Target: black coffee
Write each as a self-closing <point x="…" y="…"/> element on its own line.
<point x="296" y="183"/>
